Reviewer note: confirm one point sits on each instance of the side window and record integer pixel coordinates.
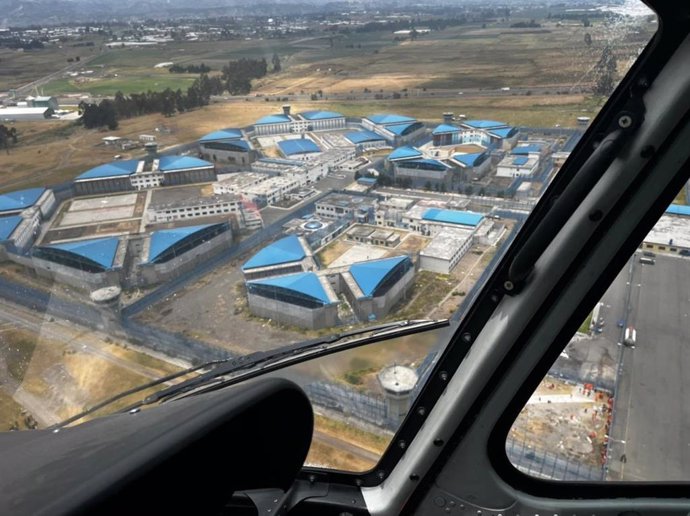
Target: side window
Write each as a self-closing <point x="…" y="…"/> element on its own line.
<point x="614" y="405"/>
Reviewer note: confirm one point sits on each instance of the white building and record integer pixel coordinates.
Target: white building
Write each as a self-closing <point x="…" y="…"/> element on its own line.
<point x="191" y="202"/>
<point x="445" y="250"/>
<point x="307" y="121"/>
<point x="518" y="166"/>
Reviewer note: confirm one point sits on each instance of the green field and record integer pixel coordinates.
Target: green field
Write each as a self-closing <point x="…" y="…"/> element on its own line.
<point x="126" y="83"/>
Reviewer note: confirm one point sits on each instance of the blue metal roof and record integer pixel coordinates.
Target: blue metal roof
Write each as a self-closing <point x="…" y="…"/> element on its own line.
<point x="385" y="118"/>
<point x="363" y="136"/>
<point x="162" y="240"/>
<point x="285" y="250"/>
<point x="468" y="160"/>
<point x="369" y="275"/>
<point x="367" y="180"/>
<point x="526" y="149"/>
<point x="678" y="209"/>
<point x="399" y="129"/>
<point x="298" y="146"/>
<point x="446" y="128"/>
<point x="484" y="124"/>
<point x="503" y="132"/>
<point x="404" y="153"/>
<point x="320" y="115"/>
<point x="273" y="119"/>
<point x="114" y="169"/>
<point x="20" y="199"/>
<point x="8" y="225"/>
<point x="223" y="134"/>
<point x="306" y="283"/>
<point x="463" y="218"/>
<point x="172" y="163"/>
<point x="520" y="160"/>
<point x="100" y="250"/>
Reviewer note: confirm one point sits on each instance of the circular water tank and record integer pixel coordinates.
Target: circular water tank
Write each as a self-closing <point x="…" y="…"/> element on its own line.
<point x="398" y="379"/>
<point x="106" y="295"/>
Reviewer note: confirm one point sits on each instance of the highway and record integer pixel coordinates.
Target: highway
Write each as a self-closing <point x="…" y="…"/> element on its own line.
<point x="651" y="429"/>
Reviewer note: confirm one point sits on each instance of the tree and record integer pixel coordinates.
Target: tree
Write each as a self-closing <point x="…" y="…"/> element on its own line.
<point x="427" y="185"/>
<point x="588" y="39"/>
<point x="586" y="22"/>
<point x="8" y="136"/>
<point x="275" y="60"/>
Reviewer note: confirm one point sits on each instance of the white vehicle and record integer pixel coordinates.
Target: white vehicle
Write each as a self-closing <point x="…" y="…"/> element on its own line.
<point x="630" y="336"/>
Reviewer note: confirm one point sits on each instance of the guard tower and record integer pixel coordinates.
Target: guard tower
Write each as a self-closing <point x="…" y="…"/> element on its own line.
<point x="397" y="382"/>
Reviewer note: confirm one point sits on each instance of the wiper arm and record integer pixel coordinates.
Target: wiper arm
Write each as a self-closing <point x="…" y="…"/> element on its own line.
<point x="227" y="366"/>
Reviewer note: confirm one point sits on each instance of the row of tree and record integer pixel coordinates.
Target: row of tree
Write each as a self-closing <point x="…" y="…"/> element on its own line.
<point x="202" y="68"/>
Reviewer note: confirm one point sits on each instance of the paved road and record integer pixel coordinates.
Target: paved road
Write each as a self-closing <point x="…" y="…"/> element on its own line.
<point x="652" y="424"/>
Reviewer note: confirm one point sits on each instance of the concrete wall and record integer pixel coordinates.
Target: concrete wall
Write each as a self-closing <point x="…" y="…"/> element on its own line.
<point x="293" y="315"/>
<point x="76" y="278"/>
<point x="227" y="156"/>
<point x="434" y="264"/>
<point x="184" y="177"/>
<point x="102" y="186"/>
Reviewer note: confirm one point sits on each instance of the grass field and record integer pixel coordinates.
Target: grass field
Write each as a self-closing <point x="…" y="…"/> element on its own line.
<point x="130" y="82"/>
<point x="19" y="68"/>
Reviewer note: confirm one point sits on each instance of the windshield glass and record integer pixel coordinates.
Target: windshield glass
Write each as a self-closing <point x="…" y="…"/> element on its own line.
<point x="195" y="187"/>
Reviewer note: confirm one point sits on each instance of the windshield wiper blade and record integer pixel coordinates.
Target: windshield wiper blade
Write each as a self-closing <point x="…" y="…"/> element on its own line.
<point x="227" y="366"/>
<point x="264" y="358"/>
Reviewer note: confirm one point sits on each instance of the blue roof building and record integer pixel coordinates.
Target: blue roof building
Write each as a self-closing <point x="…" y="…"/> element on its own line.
<point x="302" y="288"/>
<point x="93" y="255"/>
<point x="8" y="225"/>
<point x="503" y="132"/>
<point x="20" y="200"/>
<point x="298" y="146"/>
<point x="375" y="277"/>
<point x="223" y="134"/>
<point x="484" y="124"/>
<point x="445" y="129"/>
<point x="404" y="128"/>
<point x="175" y="163"/>
<point x="520" y="161"/>
<point x="527" y="149"/>
<point x="358" y="137"/>
<point x="470" y="160"/>
<point x="678" y="209"/>
<point x="285" y="250"/>
<point x="114" y="169"/>
<point x="385" y="119"/>
<point x="461" y="218"/>
<point x="273" y="119"/>
<point x="167" y="244"/>
<point x="320" y="115"/>
<point x="404" y="153"/>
